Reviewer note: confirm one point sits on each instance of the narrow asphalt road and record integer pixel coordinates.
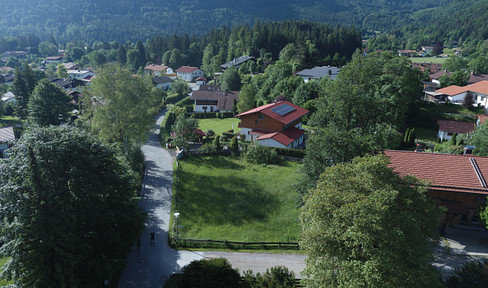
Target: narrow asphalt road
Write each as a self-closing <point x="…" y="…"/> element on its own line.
<point x="152" y="264"/>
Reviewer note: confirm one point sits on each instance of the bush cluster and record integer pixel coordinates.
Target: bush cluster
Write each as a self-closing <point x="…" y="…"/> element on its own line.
<point x="260" y="154"/>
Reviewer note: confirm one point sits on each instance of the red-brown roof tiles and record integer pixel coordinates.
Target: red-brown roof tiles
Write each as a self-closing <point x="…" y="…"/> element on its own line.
<point x="445" y="172"/>
<point x="159" y="68"/>
<point x="285" y="137"/>
<point x="479" y="87"/>
<point x="456" y="126"/>
<point x="285" y="119"/>
<point x="186" y="69"/>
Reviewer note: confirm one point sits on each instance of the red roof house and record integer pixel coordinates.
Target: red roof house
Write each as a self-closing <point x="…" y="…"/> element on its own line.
<point x="158" y="70"/>
<point x="188" y="73"/>
<point x="456" y="94"/>
<point x="211" y="98"/>
<point x="457" y="181"/>
<point x="448" y="128"/>
<point x="277" y="124"/>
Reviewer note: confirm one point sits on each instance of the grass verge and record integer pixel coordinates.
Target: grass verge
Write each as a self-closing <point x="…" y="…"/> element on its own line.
<point x="3" y="281"/>
<point x="219" y="125"/>
<point x="226" y="198"/>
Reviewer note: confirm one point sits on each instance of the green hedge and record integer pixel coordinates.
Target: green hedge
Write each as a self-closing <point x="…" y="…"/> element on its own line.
<point x="174" y="98"/>
<point x="297" y="153"/>
<point x="210" y="115"/>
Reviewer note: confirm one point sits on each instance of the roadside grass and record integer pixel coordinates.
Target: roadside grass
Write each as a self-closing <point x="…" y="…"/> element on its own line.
<point x="219" y="125"/>
<point x="436" y="60"/>
<point x="226" y="198"/>
<point x="9" y="121"/>
<point x="3" y="281"/>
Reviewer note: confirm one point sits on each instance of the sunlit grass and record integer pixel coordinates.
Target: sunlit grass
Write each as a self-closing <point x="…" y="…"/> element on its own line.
<point x="225" y="198"/>
<point x="219" y="125"/>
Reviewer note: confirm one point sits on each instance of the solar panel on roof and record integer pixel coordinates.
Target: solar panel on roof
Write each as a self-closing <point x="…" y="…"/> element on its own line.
<point x="283" y="109"/>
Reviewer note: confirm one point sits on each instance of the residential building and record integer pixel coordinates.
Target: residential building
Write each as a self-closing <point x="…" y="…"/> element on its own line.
<point x="237" y="62"/>
<point x="277" y="124"/>
<point x="80" y="74"/>
<point x="7" y="79"/>
<point x="14" y="54"/>
<point x="7" y="137"/>
<point x="8" y="97"/>
<point x="456" y="94"/>
<point x="318" y="73"/>
<point x="457" y="181"/>
<point x="448" y="128"/>
<point x="188" y="73"/>
<point x="158" y="70"/>
<point x="71" y="66"/>
<point x="163" y="82"/>
<point x="211" y="98"/>
<point x="54" y="59"/>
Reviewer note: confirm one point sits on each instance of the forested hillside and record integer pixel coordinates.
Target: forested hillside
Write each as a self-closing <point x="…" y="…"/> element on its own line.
<point x="121" y="20"/>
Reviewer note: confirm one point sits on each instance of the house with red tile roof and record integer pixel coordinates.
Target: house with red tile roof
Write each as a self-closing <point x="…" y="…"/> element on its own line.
<point x="457" y="181"/>
<point x="456" y="94"/>
<point x="448" y="128"/>
<point x="188" y="73"/>
<point x="277" y="124"/>
<point x="211" y="98"/>
<point x="158" y="70"/>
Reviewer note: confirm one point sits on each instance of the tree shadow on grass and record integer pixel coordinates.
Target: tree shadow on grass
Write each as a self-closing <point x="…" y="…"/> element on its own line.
<point x="220" y="162"/>
<point x="220" y="200"/>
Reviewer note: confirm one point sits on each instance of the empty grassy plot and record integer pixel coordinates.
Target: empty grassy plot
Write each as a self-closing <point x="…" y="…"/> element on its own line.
<point x="219" y="125"/>
<point x="225" y="198"/>
<point x="436" y="60"/>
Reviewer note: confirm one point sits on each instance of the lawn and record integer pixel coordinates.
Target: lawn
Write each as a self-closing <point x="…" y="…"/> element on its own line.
<point x="225" y="198"/>
<point x="427" y="135"/>
<point x="9" y="121"/>
<point x="436" y="60"/>
<point x="219" y="125"/>
<point x="2" y="262"/>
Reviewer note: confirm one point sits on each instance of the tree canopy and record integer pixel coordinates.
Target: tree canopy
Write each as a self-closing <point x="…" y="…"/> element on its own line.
<point x="48" y="104"/>
<point x="69" y="216"/>
<point x="121" y="106"/>
<point x="365" y="226"/>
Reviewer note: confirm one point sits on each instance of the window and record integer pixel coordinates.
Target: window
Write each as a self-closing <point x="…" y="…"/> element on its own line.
<point x="260" y="116"/>
<point x="256" y="122"/>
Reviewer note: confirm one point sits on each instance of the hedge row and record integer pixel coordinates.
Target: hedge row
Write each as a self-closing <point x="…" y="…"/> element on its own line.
<point x="297" y="153"/>
<point x="209" y="115"/>
<point x="175" y="98"/>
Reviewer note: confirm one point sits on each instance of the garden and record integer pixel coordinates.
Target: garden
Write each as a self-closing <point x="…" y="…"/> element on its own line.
<point x="231" y="199"/>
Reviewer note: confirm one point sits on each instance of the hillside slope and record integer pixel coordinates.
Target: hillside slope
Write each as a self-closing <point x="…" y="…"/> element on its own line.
<point x="121" y="20"/>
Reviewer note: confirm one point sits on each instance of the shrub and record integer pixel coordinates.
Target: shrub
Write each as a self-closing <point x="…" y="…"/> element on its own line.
<point x="261" y="154"/>
<point x="453" y="139"/>
<point x="216" y="144"/>
<point x="210" y="133"/>
<point x="474" y="274"/>
<point x="296" y="153"/>
<point x="278" y="276"/>
<point x="234" y="145"/>
<point x="211" y="273"/>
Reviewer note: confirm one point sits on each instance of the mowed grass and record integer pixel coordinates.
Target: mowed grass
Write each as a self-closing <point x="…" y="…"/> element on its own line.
<point x="2" y="281"/>
<point x="9" y="121"/>
<point x="225" y="198"/>
<point x="436" y="60"/>
<point x="219" y="125"/>
<point x="424" y="134"/>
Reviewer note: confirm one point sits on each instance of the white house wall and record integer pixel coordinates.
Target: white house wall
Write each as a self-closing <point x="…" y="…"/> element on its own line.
<point x="199" y="108"/>
<point x="272" y="143"/>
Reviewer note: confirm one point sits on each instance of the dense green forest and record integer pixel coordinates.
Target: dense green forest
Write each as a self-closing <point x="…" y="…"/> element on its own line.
<point x="122" y="20"/>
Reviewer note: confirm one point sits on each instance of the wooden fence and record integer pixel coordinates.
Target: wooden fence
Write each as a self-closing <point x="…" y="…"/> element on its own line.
<point x="187" y="242"/>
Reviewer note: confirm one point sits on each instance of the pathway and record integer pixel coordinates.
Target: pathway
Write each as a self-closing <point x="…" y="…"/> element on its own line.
<point x="151" y="265"/>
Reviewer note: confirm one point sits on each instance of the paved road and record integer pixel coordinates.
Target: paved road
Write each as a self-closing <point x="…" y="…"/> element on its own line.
<point x="151" y="265"/>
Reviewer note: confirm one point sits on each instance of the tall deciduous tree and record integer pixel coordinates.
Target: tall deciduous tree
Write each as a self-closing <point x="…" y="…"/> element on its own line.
<point x="48" y="104"/>
<point x="231" y="80"/>
<point x="184" y="130"/>
<point x="121" y="106"/>
<point x="247" y="98"/>
<point x="24" y="83"/>
<point x="364" y="226"/>
<point x="71" y="216"/>
<point x="61" y="71"/>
